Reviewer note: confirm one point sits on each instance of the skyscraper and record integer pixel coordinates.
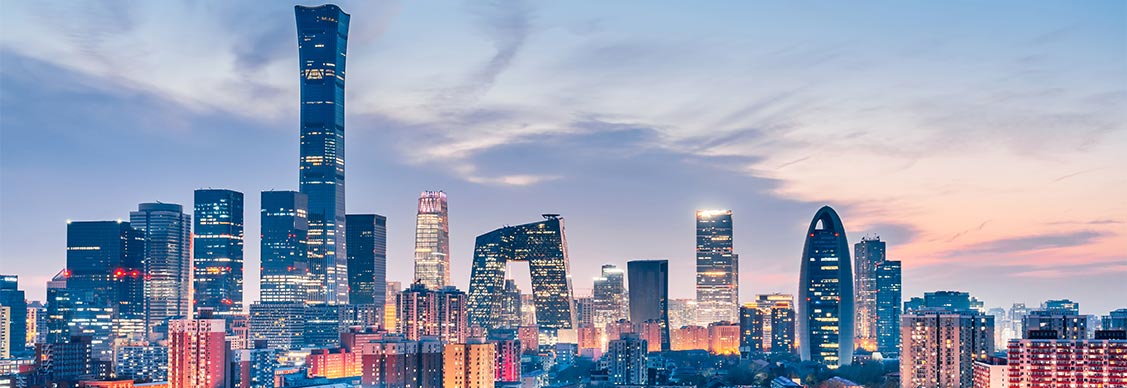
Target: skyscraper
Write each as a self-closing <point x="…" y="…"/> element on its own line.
<point x="367" y="259"/>
<point x="940" y="347"/>
<point x="626" y="360"/>
<point x="888" y="307"/>
<point x="510" y="306"/>
<point x="285" y="229"/>
<point x="425" y="312"/>
<point x="12" y="299"/>
<point x="218" y="251"/>
<point x="825" y="293"/>
<point x="432" y="241"/>
<point x="751" y="330"/>
<point x="544" y="246"/>
<point x="168" y="262"/>
<point x="322" y="40"/>
<point x="867" y="254"/>
<point x="649" y="294"/>
<point x="718" y="268"/>
<point x="609" y="296"/>
<point x="104" y="283"/>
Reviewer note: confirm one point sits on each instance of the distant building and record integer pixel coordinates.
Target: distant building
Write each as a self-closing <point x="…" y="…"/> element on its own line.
<point x="649" y="290"/>
<point x="253" y="367"/>
<point x="751" y="330"/>
<point x="940" y="347"/>
<point x="15" y="331"/>
<point x="718" y="268"/>
<point x="544" y="246"/>
<point x="432" y="241"/>
<point x="168" y="262"/>
<point x="1115" y="320"/>
<point x="197" y="352"/>
<point x="625" y="360"/>
<point x="426" y="312"/>
<point x="469" y="365"/>
<point x="609" y="296"/>
<point x="333" y="363"/>
<point x="825" y="293"/>
<point x="682" y="312"/>
<point x="1060" y="307"/>
<point x="867" y="255"/>
<point x="990" y="373"/>
<point x="1073" y="327"/>
<point x="390" y="309"/>
<point x="888" y="300"/>
<point x="218" y="251"/>
<point x="1052" y="363"/>
<point x="584" y="311"/>
<point x="142" y="362"/>
<point x="690" y="338"/>
<point x="66" y="361"/>
<point x="510" y="316"/>
<point x="281" y="325"/>
<point x="723" y="338"/>
<point x="367" y="259"/>
<point x="285" y="248"/>
<point x="5" y="332"/>
<point x="324" y="323"/>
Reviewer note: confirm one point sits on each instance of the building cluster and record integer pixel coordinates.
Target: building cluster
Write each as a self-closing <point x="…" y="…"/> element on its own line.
<point x="157" y="300"/>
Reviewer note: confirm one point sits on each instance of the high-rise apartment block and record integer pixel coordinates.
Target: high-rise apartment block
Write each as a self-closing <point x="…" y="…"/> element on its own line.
<point x="197" y="352"/>
<point x="940" y="347"/>
<point x="469" y="365"/>
<point x="426" y="312"/>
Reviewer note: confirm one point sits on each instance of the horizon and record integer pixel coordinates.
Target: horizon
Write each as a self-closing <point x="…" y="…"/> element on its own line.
<point x="981" y="142"/>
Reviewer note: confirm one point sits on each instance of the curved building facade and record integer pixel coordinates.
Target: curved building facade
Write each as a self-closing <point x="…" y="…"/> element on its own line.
<point x="825" y="293"/>
<point x="543" y="245"/>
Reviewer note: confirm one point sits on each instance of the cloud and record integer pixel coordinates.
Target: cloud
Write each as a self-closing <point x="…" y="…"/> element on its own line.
<point x="508" y="24"/>
<point x="1014" y="245"/>
<point x="1071" y="271"/>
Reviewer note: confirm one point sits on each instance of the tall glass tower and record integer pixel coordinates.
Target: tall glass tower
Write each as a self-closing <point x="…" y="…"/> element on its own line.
<point x="649" y="294"/>
<point x="888" y="307"/>
<point x="322" y="37"/>
<point x="609" y="296"/>
<point x="432" y="241"/>
<point x="543" y="245"/>
<point x="103" y="283"/>
<point x="168" y="262"/>
<point x="867" y="254"/>
<point x="218" y="251"/>
<point x="825" y="293"/>
<point x="285" y="230"/>
<point x="718" y="269"/>
<point x="367" y="259"/>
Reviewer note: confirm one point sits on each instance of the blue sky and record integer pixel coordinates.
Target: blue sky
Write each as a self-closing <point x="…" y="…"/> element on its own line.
<point x="982" y="140"/>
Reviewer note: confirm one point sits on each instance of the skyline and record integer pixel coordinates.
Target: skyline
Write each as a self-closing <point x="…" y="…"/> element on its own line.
<point x="647" y="193"/>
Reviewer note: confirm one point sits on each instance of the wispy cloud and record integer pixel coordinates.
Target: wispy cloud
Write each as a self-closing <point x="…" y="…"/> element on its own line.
<point x="1015" y="245"/>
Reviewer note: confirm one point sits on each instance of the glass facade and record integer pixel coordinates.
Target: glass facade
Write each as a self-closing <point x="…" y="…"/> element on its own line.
<point x="544" y="246"/>
<point x="168" y="262"/>
<point x="888" y="307"/>
<point x="322" y="37"/>
<point x="432" y="241"/>
<point x="867" y="254"/>
<point x="284" y="249"/>
<point x="609" y="295"/>
<point x="104" y="282"/>
<point x="717" y="268"/>
<point x="367" y="259"/>
<point x="825" y="300"/>
<point x="218" y="251"/>
<point x="12" y="298"/>
<point x="649" y="294"/>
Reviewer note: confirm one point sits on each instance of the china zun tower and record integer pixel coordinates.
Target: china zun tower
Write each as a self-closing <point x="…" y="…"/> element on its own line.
<point x="322" y="37"/>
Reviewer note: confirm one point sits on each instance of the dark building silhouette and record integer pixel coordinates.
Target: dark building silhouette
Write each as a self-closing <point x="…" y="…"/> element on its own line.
<point x="649" y="294"/>
<point x="367" y="259"/>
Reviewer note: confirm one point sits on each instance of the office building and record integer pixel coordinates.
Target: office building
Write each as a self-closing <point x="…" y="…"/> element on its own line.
<point x="1060" y="307"/>
<point x="432" y="240"/>
<point x="682" y="312"/>
<point x="1067" y="363"/>
<point x="510" y="306"/>
<point x="609" y="295"/>
<point x="36" y="323"/>
<point x="141" y="362"/>
<point x="867" y="254"/>
<point x="285" y="232"/>
<point x="16" y="330"/>
<point x="543" y="245"/>
<point x="367" y="259"/>
<point x="940" y="347"/>
<point x="426" y="312"/>
<point x="1115" y="320"/>
<point x="197" y="352"/>
<point x="218" y="251"/>
<point x="751" y="330"/>
<point x="168" y="262"/>
<point x="1072" y="327"/>
<point x="324" y="323"/>
<point x="825" y="293"/>
<point x="104" y="295"/>
<point x="649" y="290"/>
<point x="281" y="325"/>
<point x="69" y="360"/>
<point x="778" y="322"/>
<point x="469" y="365"/>
<point x="947" y="300"/>
<point x="333" y="363"/>
<point x="626" y="360"/>
<point x="888" y="300"/>
<point x="322" y="40"/>
<point x="718" y="268"/>
<point x="253" y="367"/>
<point x="390" y="309"/>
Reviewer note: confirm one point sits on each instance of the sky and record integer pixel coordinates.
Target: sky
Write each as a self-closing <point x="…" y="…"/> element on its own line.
<point x="984" y="141"/>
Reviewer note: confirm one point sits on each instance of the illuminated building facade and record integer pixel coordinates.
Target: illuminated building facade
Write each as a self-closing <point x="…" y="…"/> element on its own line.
<point x="888" y="301"/>
<point x="21" y="318"/>
<point x="1067" y="363"/>
<point x="218" y="251"/>
<point x="940" y="347"/>
<point x="426" y="312"/>
<point x="649" y="290"/>
<point x="751" y="329"/>
<point x="1073" y="327"/>
<point x="392" y="361"/>
<point x="626" y="360"/>
<point x="285" y="230"/>
<point x="366" y="237"/>
<point x="510" y="306"/>
<point x="723" y="338"/>
<point x="867" y="254"/>
<point x="322" y="40"/>
<point x="609" y="295"/>
<point x="682" y="312"/>
<point x="544" y="246"/>
<point x="469" y="365"/>
<point x="281" y="325"/>
<point x="168" y="262"/>
<point x="432" y="240"/>
<point x="690" y="338"/>
<point x="104" y="282"/>
<point x="141" y="362"/>
<point x="333" y="363"/>
<point x="825" y="299"/>
<point x="718" y="268"/>
<point x="197" y="352"/>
